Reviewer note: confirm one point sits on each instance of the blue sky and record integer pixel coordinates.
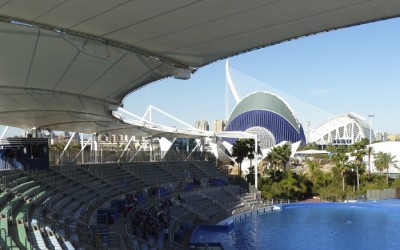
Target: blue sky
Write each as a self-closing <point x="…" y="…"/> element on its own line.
<point x="348" y="70"/>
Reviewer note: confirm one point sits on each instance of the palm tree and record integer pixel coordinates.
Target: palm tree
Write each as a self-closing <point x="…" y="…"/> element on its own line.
<point x="240" y="151"/>
<point x="274" y="159"/>
<point x="359" y="151"/>
<point x="384" y="161"/>
<point x="313" y="165"/>
<point x="285" y="151"/>
<point x="341" y="161"/>
<point x="378" y="162"/>
<point x="279" y="156"/>
<point x="251" y="149"/>
<point x="370" y="151"/>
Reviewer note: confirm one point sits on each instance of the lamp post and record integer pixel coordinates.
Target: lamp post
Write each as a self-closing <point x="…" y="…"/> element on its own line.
<point x="370" y="128"/>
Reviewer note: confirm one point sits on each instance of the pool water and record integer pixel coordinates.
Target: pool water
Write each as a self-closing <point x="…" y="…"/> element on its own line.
<point x="364" y="225"/>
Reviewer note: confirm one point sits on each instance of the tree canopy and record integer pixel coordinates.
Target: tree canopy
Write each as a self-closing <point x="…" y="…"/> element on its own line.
<point x="384" y="161"/>
<point x="241" y="149"/>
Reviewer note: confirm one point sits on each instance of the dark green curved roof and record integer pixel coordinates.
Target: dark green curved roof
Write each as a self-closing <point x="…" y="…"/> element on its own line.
<point x="264" y="101"/>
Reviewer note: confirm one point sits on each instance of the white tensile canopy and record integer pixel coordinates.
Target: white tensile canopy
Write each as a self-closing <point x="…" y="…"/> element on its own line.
<point x="66" y="65"/>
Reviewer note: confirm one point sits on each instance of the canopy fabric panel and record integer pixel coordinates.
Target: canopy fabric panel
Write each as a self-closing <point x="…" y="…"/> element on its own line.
<point x="66" y="64"/>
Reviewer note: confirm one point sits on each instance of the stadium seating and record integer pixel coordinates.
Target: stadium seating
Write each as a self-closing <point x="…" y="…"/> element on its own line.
<point x="55" y="209"/>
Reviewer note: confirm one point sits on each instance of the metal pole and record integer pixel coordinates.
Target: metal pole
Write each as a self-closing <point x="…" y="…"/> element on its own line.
<point x="370" y="128"/>
<point x="83" y="152"/>
<point x="95" y="147"/>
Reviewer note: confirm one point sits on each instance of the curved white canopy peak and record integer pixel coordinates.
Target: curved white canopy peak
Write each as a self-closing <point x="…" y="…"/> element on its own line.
<point x="65" y="65"/>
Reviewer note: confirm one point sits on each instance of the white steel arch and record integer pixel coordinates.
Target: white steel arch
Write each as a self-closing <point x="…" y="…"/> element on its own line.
<point x="345" y="129"/>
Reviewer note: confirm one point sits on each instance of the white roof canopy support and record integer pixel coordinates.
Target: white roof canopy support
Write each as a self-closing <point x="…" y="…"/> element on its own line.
<point x="198" y="145"/>
<point x="235" y="134"/>
<point x="170" y="116"/>
<point x="4" y="132"/>
<point x="66" y="147"/>
<point x="84" y="146"/>
<point x="165" y="145"/>
<point x="94" y="144"/>
<point x="126" y="147"/>
<point x="131" y="114"/>
<point x="140" y="148"/>
<point x="147" y="112"/>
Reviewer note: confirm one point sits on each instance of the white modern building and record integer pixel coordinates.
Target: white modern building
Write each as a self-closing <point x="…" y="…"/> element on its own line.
<point x="381" y="136"/>
<point x="342" y="130"/>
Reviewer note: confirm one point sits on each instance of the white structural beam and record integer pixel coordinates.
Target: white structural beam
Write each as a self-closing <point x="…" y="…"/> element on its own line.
<point x="66" y="147"/>
<point x="4" y="132"/>
<point x="148" y="111"/>
<point x="198" y="145"/>
<point x="141" y="146"/>
<point x="171" y="116"/>
<point x="82" y="143"/>
<point x="84" y="146"/>
<point x="131" y="114"/>
<point x="126" y="147"/>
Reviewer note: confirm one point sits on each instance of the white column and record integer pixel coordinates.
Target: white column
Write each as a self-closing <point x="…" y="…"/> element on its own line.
<point x="151" y="149"/>
<point x="83" y="152"/>
<point x="95" y="147"/>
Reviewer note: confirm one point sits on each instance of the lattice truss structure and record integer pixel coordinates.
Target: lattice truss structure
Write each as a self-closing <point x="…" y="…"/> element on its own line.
<point x="266" y="138"/>
<point x="345" y="129"/>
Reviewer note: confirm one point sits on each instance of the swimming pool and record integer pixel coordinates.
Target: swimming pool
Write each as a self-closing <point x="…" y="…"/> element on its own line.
<point x="361" y="225"/>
